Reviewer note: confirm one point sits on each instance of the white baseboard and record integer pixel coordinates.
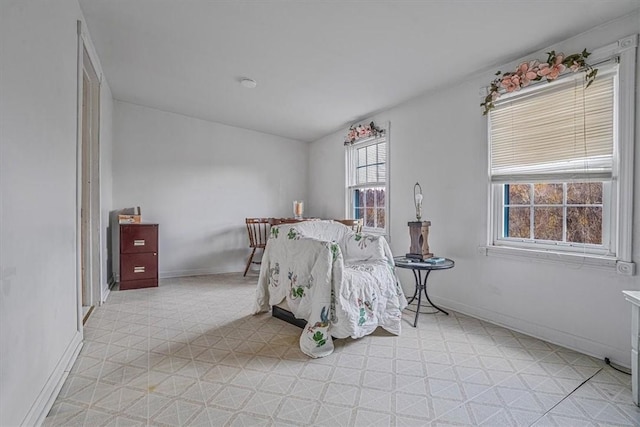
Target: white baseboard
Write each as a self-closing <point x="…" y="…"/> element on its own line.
<point x="618" y="356"/>
<point x="43" y="403"/>
<point x="197" y="272"/>
<point x="105" y="294"/>
<point x="170" y="274"/>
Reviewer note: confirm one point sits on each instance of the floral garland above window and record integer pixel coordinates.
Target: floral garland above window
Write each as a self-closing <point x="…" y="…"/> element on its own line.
<point x="532" y="71"/>
<point x="362" y="131"/>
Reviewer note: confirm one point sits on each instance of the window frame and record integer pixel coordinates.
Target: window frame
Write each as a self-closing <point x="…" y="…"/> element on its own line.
<point x="351" y="169"/>
<point x="619" y="214"/>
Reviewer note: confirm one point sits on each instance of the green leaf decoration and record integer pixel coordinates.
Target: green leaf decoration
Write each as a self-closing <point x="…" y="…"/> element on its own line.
<point x="292" y="234"/>
<point x="274" y="232"/>
<point x="318" y="337"/>
<point x="334" y="250"/>
<point x="297" y="292"/>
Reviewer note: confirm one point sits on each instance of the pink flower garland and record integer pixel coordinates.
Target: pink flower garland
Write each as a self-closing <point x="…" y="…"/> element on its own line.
<point x="531" y="71"/>
<point x="362" y="131"/>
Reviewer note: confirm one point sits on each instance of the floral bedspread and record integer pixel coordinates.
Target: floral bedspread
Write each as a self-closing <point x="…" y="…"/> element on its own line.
<point x="343" y="287"/>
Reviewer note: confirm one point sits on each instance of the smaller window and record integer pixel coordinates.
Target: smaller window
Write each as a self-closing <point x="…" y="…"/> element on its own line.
<point x="366" y="187"/>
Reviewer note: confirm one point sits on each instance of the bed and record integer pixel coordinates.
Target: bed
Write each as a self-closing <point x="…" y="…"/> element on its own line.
<point x="342" y="283"/>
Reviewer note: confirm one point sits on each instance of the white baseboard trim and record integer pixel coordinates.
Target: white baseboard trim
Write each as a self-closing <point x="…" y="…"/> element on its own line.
<point x="49" y="392"/>
<point x="618" y="356"/>
<point x="105" y="294"/>
<point x="196" y="272"/>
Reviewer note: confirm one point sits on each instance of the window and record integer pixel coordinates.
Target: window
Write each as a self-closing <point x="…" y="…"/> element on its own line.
<point x="570" y="213"/>
<point x="560" y="181"/>
<point x="367" y="178"/>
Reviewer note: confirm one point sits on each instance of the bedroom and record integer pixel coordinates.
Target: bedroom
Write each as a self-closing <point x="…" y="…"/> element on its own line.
<point x="181" y="189"/>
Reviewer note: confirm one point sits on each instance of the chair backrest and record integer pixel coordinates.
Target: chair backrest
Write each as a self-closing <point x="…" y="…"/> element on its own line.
<point x="278" y="221"/>
<point x="355" y="224"/>
<point x="258" y="229"/>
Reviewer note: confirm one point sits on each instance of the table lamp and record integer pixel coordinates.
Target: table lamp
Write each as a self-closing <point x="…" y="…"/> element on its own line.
<point x="298" y="209"/>
<point x="419" y="230"/>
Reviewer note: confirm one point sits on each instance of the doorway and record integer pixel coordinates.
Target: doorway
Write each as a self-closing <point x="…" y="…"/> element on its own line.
<point x="90" y="187"/>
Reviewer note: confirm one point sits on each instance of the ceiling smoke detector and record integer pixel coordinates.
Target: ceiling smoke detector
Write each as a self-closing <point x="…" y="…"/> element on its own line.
<point x="248" y="83"/>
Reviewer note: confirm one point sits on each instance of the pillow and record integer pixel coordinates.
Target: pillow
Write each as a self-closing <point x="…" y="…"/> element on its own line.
<point x="359" y="247"/>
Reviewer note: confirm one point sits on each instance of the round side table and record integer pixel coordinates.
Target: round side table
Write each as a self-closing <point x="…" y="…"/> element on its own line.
<point x="417" y="267"/>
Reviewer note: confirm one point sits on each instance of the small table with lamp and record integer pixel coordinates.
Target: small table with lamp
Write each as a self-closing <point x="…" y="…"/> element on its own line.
<point x="417" y="267"/>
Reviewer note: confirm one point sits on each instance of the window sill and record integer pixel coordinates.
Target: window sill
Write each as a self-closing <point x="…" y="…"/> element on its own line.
<point x="576" y="260"/>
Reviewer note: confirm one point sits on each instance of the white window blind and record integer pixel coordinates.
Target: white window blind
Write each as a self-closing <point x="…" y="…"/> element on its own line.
<point x="371" y="167"/>
<point x="564" y="131"/>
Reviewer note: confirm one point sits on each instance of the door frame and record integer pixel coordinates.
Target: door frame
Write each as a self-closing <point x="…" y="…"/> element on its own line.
<point x="88" y="247"/>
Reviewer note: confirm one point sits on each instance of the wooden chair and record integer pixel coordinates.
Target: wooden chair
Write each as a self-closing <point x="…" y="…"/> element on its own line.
<point x="258" y="229"/>
<point x="278" y="221"/>
<point x="355" y="224"/>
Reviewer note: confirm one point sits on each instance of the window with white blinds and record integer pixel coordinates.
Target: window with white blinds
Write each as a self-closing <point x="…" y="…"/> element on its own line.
<point x="366" y="186"/>
<point x="559" y="131"/>
<point x="560" y="166"/>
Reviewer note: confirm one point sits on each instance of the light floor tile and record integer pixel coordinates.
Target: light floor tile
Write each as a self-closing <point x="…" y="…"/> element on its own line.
<point x="297" y="410"/>
<point x="333" y="416"/>
<point x="309" y="389"/>
<point x="365" y="418"/>
<point x="182" y="354"/>
<point x="341" y="393"/>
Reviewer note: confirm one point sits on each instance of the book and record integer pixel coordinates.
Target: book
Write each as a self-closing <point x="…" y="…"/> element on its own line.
<point x="435" y="260"/>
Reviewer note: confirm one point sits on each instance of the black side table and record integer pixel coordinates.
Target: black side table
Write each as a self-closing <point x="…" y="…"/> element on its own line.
<point x="417" y="267"/>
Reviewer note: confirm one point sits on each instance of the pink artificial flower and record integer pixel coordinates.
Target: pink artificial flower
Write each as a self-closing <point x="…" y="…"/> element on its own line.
<point x="529" y="71"/>
<point x="553" y="71"/>
<point x="544" y="69"/>
<point x="522" y="68"/>
<point x="556" y="70"/>
<point x="511" y="82"/>
<point x="521" y="77"/>
<point x="574" y="67"/>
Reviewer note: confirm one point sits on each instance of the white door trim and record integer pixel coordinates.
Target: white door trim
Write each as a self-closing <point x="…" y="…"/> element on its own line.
<point x="91" y="249"/>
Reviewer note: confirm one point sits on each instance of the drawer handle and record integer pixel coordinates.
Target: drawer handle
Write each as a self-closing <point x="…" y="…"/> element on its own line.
<point x="138" y="269"/>
<point x="139" y="242"/>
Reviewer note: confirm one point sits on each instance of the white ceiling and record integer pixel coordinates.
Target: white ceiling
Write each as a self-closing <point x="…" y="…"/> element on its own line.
<point x="320" y="64"/>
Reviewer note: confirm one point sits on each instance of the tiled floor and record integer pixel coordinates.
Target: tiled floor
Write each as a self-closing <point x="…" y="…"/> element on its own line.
<point x="191" y="353"/>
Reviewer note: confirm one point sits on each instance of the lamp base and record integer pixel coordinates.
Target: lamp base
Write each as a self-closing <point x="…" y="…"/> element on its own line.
<point x="419" y="257"/>
<point x="419" y="233"/>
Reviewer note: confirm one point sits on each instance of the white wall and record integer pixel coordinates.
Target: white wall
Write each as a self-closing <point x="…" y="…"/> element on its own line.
<point x="199" y="180"/>
<point x="39" y="333"/>
<point x="439" y="139"/>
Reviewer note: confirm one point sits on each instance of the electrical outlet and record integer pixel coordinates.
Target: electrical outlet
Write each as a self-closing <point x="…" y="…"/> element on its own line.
<point x="626" y="268"/>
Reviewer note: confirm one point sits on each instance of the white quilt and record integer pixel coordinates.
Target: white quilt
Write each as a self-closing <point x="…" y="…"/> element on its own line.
<point x="342" y="283"/>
